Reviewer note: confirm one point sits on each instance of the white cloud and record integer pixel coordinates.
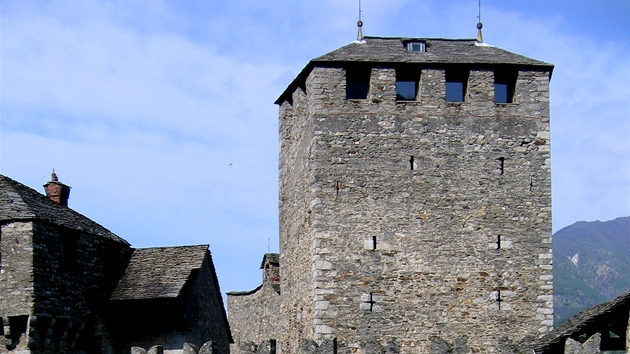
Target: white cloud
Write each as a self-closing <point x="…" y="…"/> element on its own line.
<point x="143" y="106"/>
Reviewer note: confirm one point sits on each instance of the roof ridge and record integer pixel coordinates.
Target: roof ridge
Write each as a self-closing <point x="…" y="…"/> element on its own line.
<point x="34" y="205"/>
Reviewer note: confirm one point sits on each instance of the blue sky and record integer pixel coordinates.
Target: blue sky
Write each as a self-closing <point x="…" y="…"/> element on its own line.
<point x="160" y="114"/>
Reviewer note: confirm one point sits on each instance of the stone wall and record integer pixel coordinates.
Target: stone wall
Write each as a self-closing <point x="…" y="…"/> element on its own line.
<point x="16" y="277"/>
<point x="254" y="317"/>
<point x="406" y="221"/>
<point x="296" y="178"/>
<point x="50" y="276"/>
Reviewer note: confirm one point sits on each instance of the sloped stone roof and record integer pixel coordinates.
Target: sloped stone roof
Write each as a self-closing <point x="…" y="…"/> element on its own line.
<point x="610" y="315"/>
<point x="19" y="202"/>
<point x="272" y="258"/>
<point x="439" y="51"/>
<point x="159" y="272"/>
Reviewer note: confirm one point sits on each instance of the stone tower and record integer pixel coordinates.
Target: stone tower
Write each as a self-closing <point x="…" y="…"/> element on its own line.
<point x="415" y="199"/>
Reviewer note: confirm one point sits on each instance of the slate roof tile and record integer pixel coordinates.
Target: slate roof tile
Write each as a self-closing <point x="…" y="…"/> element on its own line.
<point x="159" y="272"/>
<point x="19" y="202"/>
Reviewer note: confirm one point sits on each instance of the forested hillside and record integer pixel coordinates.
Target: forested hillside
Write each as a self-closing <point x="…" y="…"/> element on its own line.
<point x="591" y="263"/>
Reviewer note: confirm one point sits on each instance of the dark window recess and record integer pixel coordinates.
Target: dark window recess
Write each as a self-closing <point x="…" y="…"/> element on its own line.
<point x="501" y="164"/>
<point x="68" y="249"/>
<point x="504" y="84"/>
<point x="456" y="85"/>
<point x="498" y="242"/>
<point x="357" y="83"/>
<point x="499" y="299"/>
<point x="334" y="345"/>
<point x="416" y="46"/>
<point x="407" y="84"/>
<point x="411" y="162"/>
<point x="371" y="302"/>
<point x="373" y="242"/>
<point x="272" y="346"/>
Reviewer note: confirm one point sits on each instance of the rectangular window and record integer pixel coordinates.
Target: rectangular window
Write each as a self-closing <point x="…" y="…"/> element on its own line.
<point x="357" y="82"/>
<point x="416" y="46"/>
<point x="407" y="80"/>
<point x="456" y="85"/>
<point x="504" y="84"/>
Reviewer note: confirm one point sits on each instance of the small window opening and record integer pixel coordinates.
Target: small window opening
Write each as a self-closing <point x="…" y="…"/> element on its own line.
<point x="504" y="84"/>
<point x="272" y="346"/>
<point x="416" y="46"/>
<point x="407" y="80"/>
<point x="501" y="164"/>
<point x="531" y="183"/>
<point x="357" y="82"/>
<point x="411" y="162"/>
<point x="498" y="242"/>
<point x="371" y="302"/>
<point x="499" y="300"/>
<point x="373" y="242"/>
<point x="338" y="187"/>
<point x="456" y="85"/>
<point x="334" y="345"/>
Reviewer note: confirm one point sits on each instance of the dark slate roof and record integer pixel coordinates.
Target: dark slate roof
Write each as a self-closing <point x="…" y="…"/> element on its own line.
<point x="611" y="315"/>
<point x="243" y="293"/>
<point x="439" y="51"/>
<point x="159" y="272"/>
<point x="273" y="258"/>
<point x="19" y="202"/>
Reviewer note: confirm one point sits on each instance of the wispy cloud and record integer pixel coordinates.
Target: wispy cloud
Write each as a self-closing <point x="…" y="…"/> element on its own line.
<point x="160" y="115"/>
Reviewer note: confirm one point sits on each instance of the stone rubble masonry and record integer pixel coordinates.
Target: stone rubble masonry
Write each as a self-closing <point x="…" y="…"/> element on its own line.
<point x="391" y="213"/>
<point x="254" y="316"/>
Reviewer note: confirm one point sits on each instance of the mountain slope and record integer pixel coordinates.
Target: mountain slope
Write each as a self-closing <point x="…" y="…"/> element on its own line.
<point x="591" y="264"/>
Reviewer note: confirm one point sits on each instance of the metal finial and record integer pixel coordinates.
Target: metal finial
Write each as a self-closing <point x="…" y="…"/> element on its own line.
<point x="53" y="176"/>
<point x="479" y="26"/>
<point x="360" y="25"/>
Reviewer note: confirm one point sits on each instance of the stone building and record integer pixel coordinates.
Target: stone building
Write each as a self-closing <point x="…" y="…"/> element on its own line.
<point x="601" y="328"/>
<point x="68" y="285"/>
<point x="255" y="315"/>
<point x="415" y="200"/>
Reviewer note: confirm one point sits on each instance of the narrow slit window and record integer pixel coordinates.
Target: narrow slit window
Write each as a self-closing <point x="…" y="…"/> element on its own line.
<point x="373" y="242"/>
<point x="499" y="299"/>
<point x="357" y="82"/>
<point x="498" y="242"/>
<point x="411" y="162"/>
<point x="456" y="85"/>
<point x="501" y="164"/>
<point x="407" y="80"/>
<point x="504" y="85"/>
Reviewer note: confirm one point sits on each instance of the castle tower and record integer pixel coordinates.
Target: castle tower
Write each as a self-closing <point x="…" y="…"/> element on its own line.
<point x="415" y="198"/>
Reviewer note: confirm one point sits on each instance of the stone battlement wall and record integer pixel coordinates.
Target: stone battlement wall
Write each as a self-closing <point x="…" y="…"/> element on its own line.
<point x="415" y="219"/>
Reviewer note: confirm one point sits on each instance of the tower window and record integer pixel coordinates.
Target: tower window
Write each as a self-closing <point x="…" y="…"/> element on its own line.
<point x="407" y="84"/>
<point x="416" y="47"/>
<point x="504" y="84"/>
<point x="456" y="82"/>
<point x="357" y="82"/>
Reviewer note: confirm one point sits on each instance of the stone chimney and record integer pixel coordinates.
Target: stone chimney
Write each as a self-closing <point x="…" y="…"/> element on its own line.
<point x="57" y="191"/>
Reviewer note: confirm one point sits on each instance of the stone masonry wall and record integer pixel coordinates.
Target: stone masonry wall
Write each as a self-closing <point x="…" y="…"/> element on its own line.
<point x="16" y="279"/>
<point x="254" y="317"/>
<point x="296" y="178"/>
<point x="422" y="221"/>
